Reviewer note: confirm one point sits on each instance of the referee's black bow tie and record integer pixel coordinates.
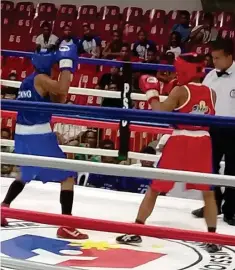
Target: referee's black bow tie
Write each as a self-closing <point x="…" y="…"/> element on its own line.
<point x="221" y="73"/>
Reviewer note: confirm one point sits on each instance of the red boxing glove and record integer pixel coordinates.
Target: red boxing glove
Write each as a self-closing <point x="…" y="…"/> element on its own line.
<point x="150" y="86"/>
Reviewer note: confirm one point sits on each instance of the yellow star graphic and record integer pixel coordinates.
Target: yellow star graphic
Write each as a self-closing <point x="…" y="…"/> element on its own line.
<point x="102" y="245"/>
<point x="157" y="246"/>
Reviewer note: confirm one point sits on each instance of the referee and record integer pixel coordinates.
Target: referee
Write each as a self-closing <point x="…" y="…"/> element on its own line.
<point x="222" y="81"/>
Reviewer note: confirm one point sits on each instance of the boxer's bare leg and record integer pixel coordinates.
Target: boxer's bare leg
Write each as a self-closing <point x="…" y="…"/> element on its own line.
<point x="147" y="206"/>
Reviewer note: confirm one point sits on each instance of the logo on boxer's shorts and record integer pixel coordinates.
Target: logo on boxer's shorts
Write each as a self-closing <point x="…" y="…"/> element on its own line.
<point x="64" y="48"/>
<point x="232" y="93"/>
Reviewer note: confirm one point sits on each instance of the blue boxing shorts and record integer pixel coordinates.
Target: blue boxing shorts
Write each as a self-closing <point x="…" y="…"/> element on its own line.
<point x="41" y="145"/>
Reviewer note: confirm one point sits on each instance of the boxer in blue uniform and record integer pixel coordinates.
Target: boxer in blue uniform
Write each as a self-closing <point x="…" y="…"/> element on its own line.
<point x="33" y="134"/>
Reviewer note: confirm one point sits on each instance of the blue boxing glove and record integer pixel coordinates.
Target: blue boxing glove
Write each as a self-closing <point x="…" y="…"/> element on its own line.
<point x="67" y="57"/>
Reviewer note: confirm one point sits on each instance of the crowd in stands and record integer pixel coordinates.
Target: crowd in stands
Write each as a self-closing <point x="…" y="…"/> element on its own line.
<point x="154" y="37"/>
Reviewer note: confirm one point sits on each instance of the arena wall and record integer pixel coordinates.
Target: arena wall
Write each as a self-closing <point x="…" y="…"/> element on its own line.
<point x="167" y="5"/>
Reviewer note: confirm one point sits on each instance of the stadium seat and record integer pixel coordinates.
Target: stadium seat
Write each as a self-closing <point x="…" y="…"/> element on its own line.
<point x="46" y="11"/>
<point x="67" y="12"/>
<point x="88" y="13"/>
<point x="172" y="18"/>
<point x="202" y="49"/>
<point x="107" y="31"/>
<point x="132" y="15"/>
<point x="22" y="26"/>
<point x="110" y="14"/>
<point x="227" y="32"/>
<point x="159" y="33"/>
<point x="24" y="10"/>
<point x="153" y="16"/>
<point x="12" y="64"/>
<point x="130" y="32"/>
<point x="7" y="7"/>
<point x="226" y="19"/>
<point x="196" y="17"/>
<point x="36" y="25"/>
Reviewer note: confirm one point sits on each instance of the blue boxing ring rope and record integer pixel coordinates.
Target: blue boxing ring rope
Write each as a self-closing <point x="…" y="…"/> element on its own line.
<point x="140" y="116"/>
<point x="114" y="114"/>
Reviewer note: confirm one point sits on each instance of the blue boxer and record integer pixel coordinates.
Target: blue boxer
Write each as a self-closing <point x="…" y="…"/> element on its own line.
<point x="33" y="133"/>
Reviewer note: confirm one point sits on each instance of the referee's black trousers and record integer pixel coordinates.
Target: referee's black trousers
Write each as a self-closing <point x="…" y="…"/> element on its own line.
<point x="223" y="144"/>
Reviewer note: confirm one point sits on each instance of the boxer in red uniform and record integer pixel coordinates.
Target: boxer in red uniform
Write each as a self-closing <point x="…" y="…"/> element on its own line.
<point x="189" y="147"/>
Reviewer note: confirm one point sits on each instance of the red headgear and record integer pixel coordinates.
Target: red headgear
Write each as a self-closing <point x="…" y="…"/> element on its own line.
<point x="188" y="70"/>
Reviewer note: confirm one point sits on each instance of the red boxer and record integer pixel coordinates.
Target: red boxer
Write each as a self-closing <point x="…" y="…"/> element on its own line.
<point x="189" y="147"/>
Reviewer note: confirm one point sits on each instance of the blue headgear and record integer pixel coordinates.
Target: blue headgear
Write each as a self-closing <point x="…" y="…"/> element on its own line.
<point x="43" y="61"/>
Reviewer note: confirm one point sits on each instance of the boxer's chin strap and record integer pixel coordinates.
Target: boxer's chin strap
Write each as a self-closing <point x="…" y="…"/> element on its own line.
<point x="152" y="94"/>
<point x="66" y="63"/>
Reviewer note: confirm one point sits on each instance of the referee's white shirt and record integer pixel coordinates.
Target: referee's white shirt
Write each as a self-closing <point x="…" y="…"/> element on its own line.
<point x="224" y="87"/>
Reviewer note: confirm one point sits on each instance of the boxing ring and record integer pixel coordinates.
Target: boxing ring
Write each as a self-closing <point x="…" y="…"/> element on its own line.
<point x="172" y="239"/>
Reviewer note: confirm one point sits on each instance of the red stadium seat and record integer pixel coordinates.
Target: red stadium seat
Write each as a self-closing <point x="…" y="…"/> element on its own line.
<point x="88" y="13"/>
<point x="225" y="19"/>
<point x="36" y="26"/>
<point x="47" y="11"/>
<point x="7" y="8"/>
<point x="130" y="32"/>
<point x="24" y="10"/>
<point x="227" y="32"/>
<point x="196" y="17"/>
<point x="106" y="31"/>
<point x="133" y="15"/>
<point x="13" y="64"/>
<point x="6" y="24"/>
<point x="153" y="16"/>
<point x="67" y="12"/>
<point x="173" y="18"/>
<point x="110" y="14"/>
<point x="17" y="42"/>
<point x="159" y="33"/>
<point x="202" y="49"/>
<point x="22" y="26"/>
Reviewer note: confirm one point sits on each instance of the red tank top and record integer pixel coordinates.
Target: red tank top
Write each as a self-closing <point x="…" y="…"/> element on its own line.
<point x="200" y="101"/>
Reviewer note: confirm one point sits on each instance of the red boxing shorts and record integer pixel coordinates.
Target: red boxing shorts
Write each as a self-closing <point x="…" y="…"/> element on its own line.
<point x="185" y="151"/>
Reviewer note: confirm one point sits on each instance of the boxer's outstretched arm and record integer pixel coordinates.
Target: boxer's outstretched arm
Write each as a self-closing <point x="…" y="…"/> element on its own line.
<point x="150" y="86"/>
<point x="168" y="105"/>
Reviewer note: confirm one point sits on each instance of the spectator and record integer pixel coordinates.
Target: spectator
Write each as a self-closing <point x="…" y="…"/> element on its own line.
<point x="68" y="38"/>
<point x="113" y="48"/>
<point x="105" y="181"/>
<point x="89" y="44"/>
<point x="46" y="40"/>
<point x="89" y="140"/>
<point x="5" y="168"/>
<point x="183" y="26"/>
<point x="142" y="45"/>
<point x="9" y="92"/>
<point x="205" y="32"/>
<point x="5" y="134"/>
<point x="126" y="54"/>
<point x="108" y="145"/>
<point x="209" y="61"/>
<point x="139" y="185"/>
<point x="112" y="102"/>
<point x="175" y="44"/>
<point x="113" y="77"/>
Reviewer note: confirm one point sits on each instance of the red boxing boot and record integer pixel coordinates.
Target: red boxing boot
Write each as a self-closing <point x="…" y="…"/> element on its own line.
<point x="71" y="233"/>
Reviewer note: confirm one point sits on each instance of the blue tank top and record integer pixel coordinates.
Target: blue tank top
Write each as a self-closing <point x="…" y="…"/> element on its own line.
<point x="27" y="92"/>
